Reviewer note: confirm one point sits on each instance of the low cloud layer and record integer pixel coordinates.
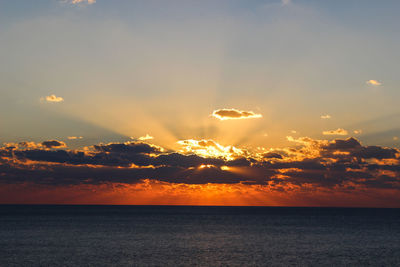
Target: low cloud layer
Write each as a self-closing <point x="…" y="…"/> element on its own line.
<point x="234" y="114"/>
<point x="309" y="165"/>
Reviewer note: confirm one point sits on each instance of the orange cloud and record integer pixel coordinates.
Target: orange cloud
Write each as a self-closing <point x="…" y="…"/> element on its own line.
<point x="234" y="114"/>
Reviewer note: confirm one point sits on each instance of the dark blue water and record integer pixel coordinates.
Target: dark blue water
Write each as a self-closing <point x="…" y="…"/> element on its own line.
<point x="197" y="236"/>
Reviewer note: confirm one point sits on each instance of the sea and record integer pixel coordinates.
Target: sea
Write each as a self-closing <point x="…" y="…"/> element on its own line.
<point x="85" y="235"/>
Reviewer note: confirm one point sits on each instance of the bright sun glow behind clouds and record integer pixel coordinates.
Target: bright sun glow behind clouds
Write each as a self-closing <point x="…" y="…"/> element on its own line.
<point x="210" y="148"/>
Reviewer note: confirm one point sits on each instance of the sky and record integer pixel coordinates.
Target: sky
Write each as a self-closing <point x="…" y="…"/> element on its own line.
<point x="263" y="102"/>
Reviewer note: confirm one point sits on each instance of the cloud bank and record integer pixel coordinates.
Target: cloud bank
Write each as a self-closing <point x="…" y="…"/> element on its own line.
<point x="311" y="165"/>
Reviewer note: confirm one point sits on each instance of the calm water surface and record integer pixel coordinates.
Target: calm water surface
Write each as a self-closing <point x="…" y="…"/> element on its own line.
<point x="197" y="236"/>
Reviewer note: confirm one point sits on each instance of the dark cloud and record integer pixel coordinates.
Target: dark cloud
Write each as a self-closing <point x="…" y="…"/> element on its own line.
<point x="344" y="145"/>
<point x="52" y="144"/>
<point x="272" y="155"/>
<point x="129" y="147"/>
<point x="355" y="149"/>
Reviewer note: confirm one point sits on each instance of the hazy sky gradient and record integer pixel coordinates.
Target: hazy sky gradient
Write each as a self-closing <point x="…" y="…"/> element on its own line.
<point x="200" y="102"/>
<point x="127" y="68"/>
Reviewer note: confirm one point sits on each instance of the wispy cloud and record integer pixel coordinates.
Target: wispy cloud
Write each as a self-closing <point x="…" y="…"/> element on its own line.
<point x="232" y="114"/>
<point x="89" y="2"/>
<point x="357" y="131"/>
<point x="327" y="116"/>
<point x="286" y="2"/>
<point x="53" y="98"/>
<point x="338" y="131"/>
<point x="373" y="82"/>
<point x="74" y="137"/>
<point x="146" y="137"/>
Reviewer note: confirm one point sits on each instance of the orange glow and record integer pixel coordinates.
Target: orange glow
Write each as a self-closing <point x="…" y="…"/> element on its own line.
<point x="160" y="193"/>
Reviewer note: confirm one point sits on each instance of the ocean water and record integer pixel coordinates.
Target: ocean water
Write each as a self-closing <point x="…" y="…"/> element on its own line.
<point x="46" y="235"/>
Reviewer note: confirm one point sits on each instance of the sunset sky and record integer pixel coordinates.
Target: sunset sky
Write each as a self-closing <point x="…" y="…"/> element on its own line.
<point x="274" y="102"/>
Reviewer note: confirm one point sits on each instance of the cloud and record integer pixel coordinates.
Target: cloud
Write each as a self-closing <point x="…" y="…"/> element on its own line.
<point x="338" y="131"/>
<point x="286" y="2"/>
<point x="229" y="114"/>
<point x="89" y="2"/>
<point x="74" y="137"/>
<point x="357" y="131"/>
<point x="146" y="137"/>
<point x="53" y="144"/>
<point x="324" y="117"/>
<point x="53" y="98"/>
<point x="373" y="82"/>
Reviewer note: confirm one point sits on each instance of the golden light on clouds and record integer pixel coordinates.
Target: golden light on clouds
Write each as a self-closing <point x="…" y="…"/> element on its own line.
<point x="234" y="114"/>
<point x="338" y="131"/>
<point x="373" y="82"/>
